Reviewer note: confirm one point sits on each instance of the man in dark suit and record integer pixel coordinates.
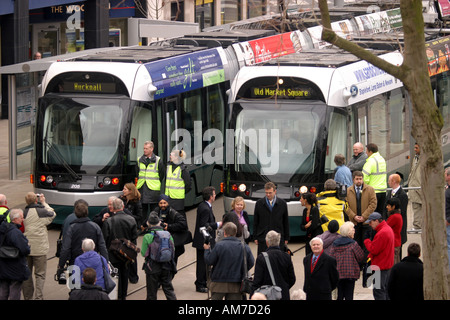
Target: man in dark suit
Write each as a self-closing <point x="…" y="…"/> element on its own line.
<point x="321" y="274"/>
<point x="398" y="192"/>
<point x="205" y="218"/>
<point x="271" y="213"/>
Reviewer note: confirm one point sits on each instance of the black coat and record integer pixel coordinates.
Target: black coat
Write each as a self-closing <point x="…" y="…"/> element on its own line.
<point x="176" y="225"/>
<point x="265" y="219"/>
<point x="406" y="280"/>
<point x="120" y="225"/>
<point x="205" y="218"/>
<point x="322" y="279"/>
<point x="282" y="268"/>
<point x="80" y="229"/>
<point x="14" y="269"/>
<point x="88" y="292"/>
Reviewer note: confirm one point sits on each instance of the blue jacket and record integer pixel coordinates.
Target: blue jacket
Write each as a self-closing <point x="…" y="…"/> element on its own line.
<point x="91" y="259"/>
<point x="227" y="259"/>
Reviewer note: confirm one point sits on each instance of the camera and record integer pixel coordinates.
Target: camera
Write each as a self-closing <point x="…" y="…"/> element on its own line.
<point x="38" y="194"/>
<point x="205" y="234"/>
<point x="61" y="277"/>
<point x="341" y="191"/>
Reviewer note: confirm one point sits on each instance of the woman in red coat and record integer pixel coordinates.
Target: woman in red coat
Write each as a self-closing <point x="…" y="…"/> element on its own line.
<point x="395" y="221"/>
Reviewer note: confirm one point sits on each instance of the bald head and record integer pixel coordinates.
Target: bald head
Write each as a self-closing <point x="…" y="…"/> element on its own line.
<point x="358" y="147"/>
<point x="2" y="200"/>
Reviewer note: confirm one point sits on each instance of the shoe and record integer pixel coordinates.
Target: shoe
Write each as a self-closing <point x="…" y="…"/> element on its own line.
<point x="201" y="289"/>
<point x="413" y="230"/>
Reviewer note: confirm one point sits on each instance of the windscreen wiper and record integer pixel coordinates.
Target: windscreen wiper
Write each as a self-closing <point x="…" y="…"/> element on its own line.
<point x="61" y="160"/>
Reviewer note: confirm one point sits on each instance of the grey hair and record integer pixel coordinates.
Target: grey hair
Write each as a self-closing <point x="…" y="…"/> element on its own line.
<point x="273" y="238"/>
<point x="88" y="245"/>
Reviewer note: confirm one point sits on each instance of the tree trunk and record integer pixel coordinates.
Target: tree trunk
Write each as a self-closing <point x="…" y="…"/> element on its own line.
<point x="426" y="130"/>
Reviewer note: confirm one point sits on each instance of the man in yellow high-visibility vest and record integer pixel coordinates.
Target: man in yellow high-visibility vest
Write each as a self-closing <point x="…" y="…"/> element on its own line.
<point x="150" y="176"/>
<point x="375" y="174"/>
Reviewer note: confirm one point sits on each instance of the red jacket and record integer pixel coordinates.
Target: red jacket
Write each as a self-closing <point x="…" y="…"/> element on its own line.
<point x="395" y="221"/>
<point x="381" y="248"/>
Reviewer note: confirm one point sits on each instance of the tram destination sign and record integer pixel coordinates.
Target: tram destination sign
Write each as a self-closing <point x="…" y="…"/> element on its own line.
<point x="299" y="93"/>
<point x="88" y="87"/>
<point x="186" y="72"/>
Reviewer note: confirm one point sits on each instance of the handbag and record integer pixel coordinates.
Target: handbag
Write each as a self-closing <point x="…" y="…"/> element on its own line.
<point x="110" y="284"/>
<point x="58" y="245"/>
<point x="124" y="249"/>
<point x="8" y="252"/>
<point x="272" y="292"/>
<point x="366" y="273"/>
<point x="247" y="282"/>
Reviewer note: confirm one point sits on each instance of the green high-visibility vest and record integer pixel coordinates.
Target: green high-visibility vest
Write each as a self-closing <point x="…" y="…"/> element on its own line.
<point x="175" y="186"/>
<point x="149" y="174"/>
<point x="375" y="173"/>
<point x="3" y="210"/>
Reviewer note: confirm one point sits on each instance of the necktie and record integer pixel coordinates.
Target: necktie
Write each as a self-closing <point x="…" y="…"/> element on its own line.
<point x="314" y="260"/>
<point x="358" y="192"/>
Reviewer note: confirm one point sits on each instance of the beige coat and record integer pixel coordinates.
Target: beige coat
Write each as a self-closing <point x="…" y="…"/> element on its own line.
<point x="368" y="202"/>
<point x="414" y="181"/>
<point x="36" y="219"/>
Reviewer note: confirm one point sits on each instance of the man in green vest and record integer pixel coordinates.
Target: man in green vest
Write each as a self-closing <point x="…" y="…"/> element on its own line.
<point x="3" y="208"/>
<point x="178" y="181"/>
<point x="375" y="174"/>
<point x="150" y="176"/>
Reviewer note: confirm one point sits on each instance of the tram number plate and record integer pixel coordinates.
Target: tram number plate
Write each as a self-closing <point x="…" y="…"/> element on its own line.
<point x="75" y="186"/>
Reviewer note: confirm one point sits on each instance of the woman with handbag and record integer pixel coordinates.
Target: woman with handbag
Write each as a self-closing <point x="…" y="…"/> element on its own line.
<point x="91" y="259"/>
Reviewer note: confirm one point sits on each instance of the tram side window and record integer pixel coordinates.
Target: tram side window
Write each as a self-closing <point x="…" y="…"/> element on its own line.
<point x="378" y="131"/>
<point x="191" y="117"/>
<point x="216" y="107"/>
<point x="397" y="116"/>
<point x="141" y="131"/>
<point x="443" y="98"/>
<point x="337" y="139"/>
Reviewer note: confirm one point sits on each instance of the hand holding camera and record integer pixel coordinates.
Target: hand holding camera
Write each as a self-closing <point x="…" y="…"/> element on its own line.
<point x="206" y="235"/>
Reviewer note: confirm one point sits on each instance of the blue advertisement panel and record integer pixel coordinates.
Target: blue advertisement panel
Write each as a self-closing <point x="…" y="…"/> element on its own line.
<point x="186" y="72"/>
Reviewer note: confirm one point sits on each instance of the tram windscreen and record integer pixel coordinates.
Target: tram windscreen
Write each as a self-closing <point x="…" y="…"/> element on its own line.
<point x="81" y="131"/>
<point x="278" y="139"/>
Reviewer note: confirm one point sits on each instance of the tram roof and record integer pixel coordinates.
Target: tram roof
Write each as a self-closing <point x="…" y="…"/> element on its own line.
<point x="330" y="57"/>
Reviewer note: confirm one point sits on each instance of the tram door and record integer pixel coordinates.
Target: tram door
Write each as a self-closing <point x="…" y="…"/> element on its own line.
<point x="171" y="109"/>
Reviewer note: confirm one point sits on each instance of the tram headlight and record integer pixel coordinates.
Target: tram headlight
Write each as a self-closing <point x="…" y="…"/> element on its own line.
<point x="49" y="179"/>
<point x="106" y="181"/>
<point x="303" y="189"/>
<point x="242" y="187"/>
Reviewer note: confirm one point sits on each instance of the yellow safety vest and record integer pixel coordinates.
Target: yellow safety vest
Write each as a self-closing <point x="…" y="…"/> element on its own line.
<point x="175" y="186"/>
<point x="375" y="174"/>
<point x="149" y="175"/>
<point x="2" y="212"/>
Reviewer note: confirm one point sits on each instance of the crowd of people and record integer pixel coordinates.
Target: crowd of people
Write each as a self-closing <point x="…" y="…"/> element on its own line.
<point x="344" y="233"/>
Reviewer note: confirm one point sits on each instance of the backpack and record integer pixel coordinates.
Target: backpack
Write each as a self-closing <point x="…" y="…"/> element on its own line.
<point x="162" y="247"/>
